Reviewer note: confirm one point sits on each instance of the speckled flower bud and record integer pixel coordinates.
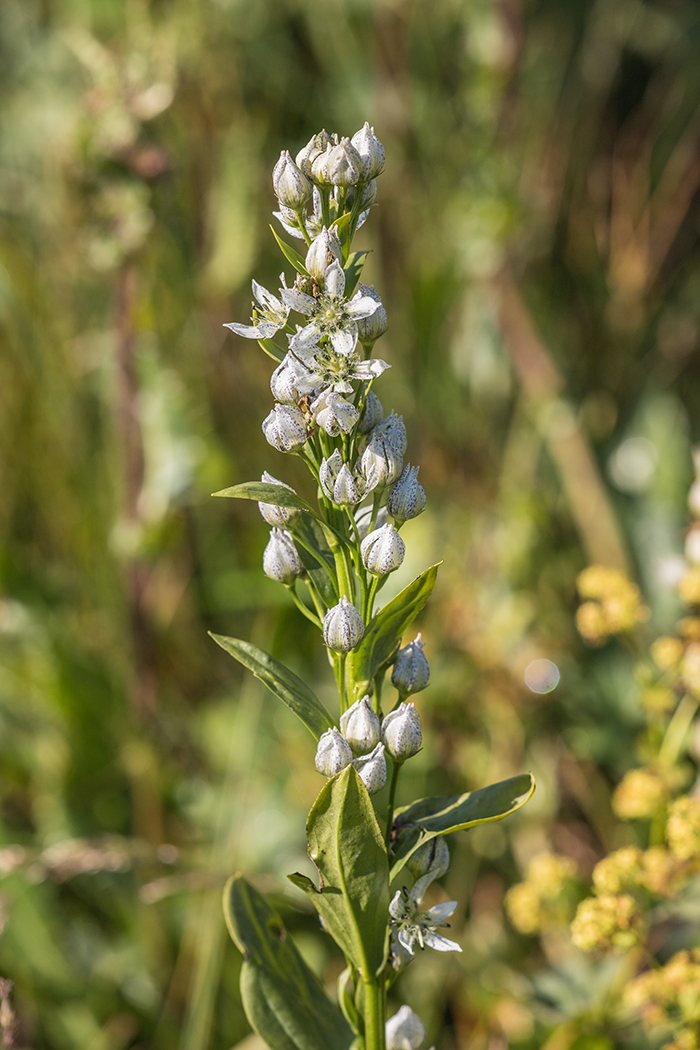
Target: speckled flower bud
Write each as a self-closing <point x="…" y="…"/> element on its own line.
<point x="344" y="164"/>
<point x="392" y="429"/>
<point x="290" y="184"/>
<point x="371" y="152"/>
<point x="278" y="517"/>
<point x="373" y="413"/>
<point x="381" y="461"/>
<point x="361" y="727"/>
<point x="382" y="551"/>
<point x="432" y="857"/>
<point x="324" y="249"/>
<point x="339" y="483"/>
<point x="407" y="499"/>
<point x="411" y="670"/>
<point x="363" y="519"/>
<point x="285" y="428"/>
<point x="371" y="328"/>
<point x="319" y="167"/>
<point x="313" y="148"/>
<point x="401" y="732"/>
<point x="283" y="380"/>
<point x="404" y="1031"/>
<point x="333" y="753"/>
<point x="280" y="559"/>
<point x="372" y="769"/>
<point x="333" y="413"/>
<point x="343" y="628"/>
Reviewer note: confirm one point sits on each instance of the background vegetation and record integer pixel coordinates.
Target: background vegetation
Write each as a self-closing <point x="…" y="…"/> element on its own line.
<point x="536" y="243"/>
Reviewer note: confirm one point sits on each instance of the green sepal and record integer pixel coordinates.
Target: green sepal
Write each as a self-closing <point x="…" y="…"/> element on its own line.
<point x="291" y="255"/>
<point x="266" y="492"/>
<point x="385" y="629"/>
<point x="282" y="998"/>
<point x="272" y="349"/>
<point x="280" y="681"/>
<point x="353" y="271"/>
<point x="427" y="818"/>
<point x="347" y="847"/>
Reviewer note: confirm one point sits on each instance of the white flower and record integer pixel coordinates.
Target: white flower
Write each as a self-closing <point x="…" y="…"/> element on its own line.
<point x="401" y="732"/>
<point x="326" y="369"/>
<point x="372" y="769"/>
<point x="382" y="551"/>
<point x="361" y="727"/>
<point x="412" y="926"/>
<point x="280" y="558"/>
<point x="331" y="314"/>
<point x="268" y="317"/>
<point x="333" y="753"/>
<point x="404" y="1031"/>
<point x="333" y="413"/>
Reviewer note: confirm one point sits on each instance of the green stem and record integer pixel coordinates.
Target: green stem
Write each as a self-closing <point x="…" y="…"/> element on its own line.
<point x="317" y="599"/>
<point x="301" y="607"/>
<point x="677" y="729"/>
<point x="392" y="796"/>
<point x="369" y="601"/>
<point x="342" y="683"/>
<point x="374" y="1015"/>
<point x="302" y="225"/>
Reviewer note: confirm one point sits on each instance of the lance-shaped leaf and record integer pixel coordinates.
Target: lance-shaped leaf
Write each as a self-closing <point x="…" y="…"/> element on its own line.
<point x="320" y="564"/>
<point x="384" y="631"/>
<point x="291" y="255"/>
<point x="429" y="817"/>
<point x="283" y="1001"/>
<point x="353" y="270"/>
<point x="280" y="681"/>
<point x="272" y="349"/>
<point x="266" y="492"/>
<point x="346" y="845"/>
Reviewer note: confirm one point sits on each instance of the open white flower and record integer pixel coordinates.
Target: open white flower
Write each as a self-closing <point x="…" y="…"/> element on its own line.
<point x="331" y="313"/>
<point x="324" y="369"/>
<point x="411" y="926"/>
<point x="267" y="319"/>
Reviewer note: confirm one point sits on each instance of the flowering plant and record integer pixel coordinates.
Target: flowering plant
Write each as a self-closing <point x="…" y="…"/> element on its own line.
<point x="342" y="544"/>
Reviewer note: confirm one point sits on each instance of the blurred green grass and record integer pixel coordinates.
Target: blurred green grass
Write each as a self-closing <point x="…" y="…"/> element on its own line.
<point x="536" y="244"/>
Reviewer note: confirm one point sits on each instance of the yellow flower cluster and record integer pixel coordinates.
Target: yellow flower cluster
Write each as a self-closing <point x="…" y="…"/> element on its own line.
<point x="612" y="604"/>
<point x="679" y="658"/>
<point x="683" y="828"/>
<point x="657" y="870"/>
<point x="669" y="998"/>
<point x="640" y="794"/>
<point x="609" y="922"/>
<point x="542" y="898"/>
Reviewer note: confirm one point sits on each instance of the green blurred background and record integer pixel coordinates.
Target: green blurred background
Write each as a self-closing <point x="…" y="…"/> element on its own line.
<point x="535" y="242"/>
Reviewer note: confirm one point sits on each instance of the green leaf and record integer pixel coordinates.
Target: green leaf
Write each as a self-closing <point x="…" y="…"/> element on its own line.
<point x="353" y="270"/>
<point x="280" y="681"/>
<point x="283" y="1001"/>
<point x="346" y="845"/>
<point x="291" y="255"/>
<point x="266" y="492"/>
<point x="384" y="630"/>
<point x="429" y="817"/>
<point x="272" y="349"/>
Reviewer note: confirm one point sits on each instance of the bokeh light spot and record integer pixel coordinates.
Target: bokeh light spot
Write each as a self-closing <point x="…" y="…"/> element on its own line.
<point x="541" y="676"/>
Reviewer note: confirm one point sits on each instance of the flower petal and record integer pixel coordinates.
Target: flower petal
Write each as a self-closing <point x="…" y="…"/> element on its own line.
<point x="396" y="906"/>
<point x="305" y="338"/>
<point x="439" y="943"/>
<point x="362" y="306"/>
<point x="334" y="280"/>
<point x="293" y="230"/>
<point x="439" y="912"/>
<point x="371" y="369"/>
<point x="344" y="341"/>
<point x="264" y="330"/>
<point x="299" y="301"/>
<point x="407" y="941"/>
<point x="266" y="298"/>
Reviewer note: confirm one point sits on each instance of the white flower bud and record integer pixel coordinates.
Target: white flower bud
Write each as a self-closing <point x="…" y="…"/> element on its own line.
<point x="315" y="146"/>
<point x="333" y="413"/>
<point x="283" y="380"/>
<point x="392" y="429"/>
<point x="401" y="732"/>
<point x="361" y="727"/>
<point x="432" y="857"/>
<point x="339" y="483"/>
<point x="382" y="551"/>
<point x="363" y="519"/>
<point x="381" y="462"/>
<point x="343" y="628"/>
<point x="411" y="670"/>
<point x="290" y="184"/>
<point x="407" y="498"/>
<point x="372" y="769"/>
<point x="371" y="328"/>
<point x="344" y="164"/>
<point x="404" y="1031"/>
<point x="319" y="166"/>
<point x="280" y="559"/>
<point x="333" y="753"/>
<point x="278" y="517"/>
<point x="373" y="413"/>
<point x="371" y="152"/>
<point x="285" y="428"/>
<point x="324" y="249"/>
